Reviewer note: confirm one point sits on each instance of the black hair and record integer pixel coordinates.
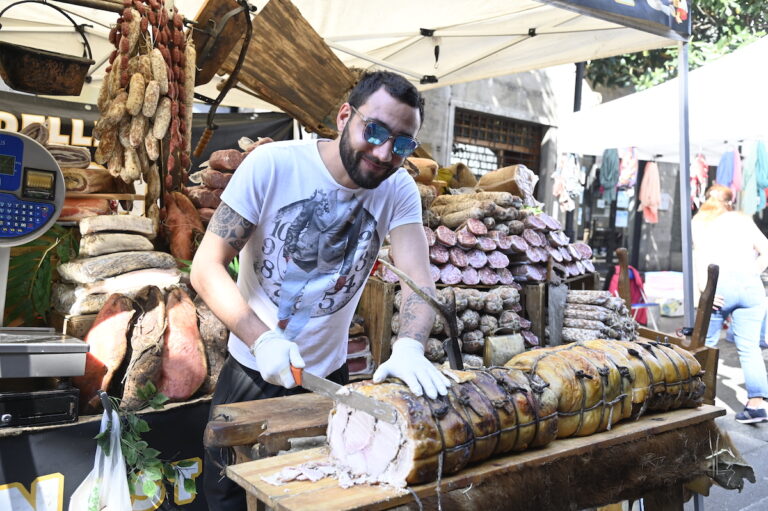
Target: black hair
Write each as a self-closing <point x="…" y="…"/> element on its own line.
<point x="396" y="85"/>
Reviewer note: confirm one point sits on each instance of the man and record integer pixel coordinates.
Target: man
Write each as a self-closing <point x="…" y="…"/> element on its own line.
<point x="300" y="276"/>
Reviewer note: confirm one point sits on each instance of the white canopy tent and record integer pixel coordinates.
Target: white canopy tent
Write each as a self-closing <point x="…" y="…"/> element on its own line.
<point x="433" y="42"/>
<point x="476" y="40"/>
<point x="727" y="103"/>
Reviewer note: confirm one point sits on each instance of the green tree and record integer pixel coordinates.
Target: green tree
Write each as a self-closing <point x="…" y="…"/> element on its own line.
<point x="718" y="27"/>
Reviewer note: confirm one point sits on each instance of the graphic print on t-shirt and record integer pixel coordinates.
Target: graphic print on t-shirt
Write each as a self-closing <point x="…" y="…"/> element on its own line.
<point x="317" y="256"/>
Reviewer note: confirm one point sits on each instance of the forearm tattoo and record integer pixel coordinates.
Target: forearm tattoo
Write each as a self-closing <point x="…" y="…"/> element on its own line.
<point x="415" y="318"/>
<point x="230" y="226"/>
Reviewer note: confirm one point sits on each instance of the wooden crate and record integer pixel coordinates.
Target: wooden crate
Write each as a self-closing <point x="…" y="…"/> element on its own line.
<point x="534" y="299"/>
<point x="377" y="304"/>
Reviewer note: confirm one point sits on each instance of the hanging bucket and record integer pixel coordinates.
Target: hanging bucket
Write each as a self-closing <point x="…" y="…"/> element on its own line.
<point x="44" y="72"/>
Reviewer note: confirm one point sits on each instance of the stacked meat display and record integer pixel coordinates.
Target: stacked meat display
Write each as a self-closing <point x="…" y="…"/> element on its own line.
<point x="166" y="339"/>
<point x="116" y="256"/>
<point x="480" y="314"/>
<point x="596" y="315"/>
<point x="486" y="238"/>
<point x="359" y="357"/>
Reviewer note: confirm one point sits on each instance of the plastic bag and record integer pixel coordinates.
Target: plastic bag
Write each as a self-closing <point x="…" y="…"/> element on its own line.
<point x="105" y="488"/>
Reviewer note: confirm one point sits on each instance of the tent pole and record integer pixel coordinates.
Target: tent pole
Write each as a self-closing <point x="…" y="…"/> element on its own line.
<point x="685" y="188"/>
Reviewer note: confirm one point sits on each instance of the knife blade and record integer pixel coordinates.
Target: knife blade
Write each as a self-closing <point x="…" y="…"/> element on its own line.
<point x="327" y="388"/>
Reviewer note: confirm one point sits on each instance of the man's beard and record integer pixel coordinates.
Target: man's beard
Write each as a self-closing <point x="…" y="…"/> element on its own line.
<point x="351" y="161"/>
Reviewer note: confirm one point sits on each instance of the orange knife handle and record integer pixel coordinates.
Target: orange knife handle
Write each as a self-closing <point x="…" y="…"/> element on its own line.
<point x="296" y="372"/>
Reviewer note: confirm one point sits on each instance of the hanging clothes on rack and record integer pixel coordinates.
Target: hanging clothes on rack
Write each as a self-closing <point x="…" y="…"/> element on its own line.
<point x="729" y="171"/>
<point x="568" y="181"/>
<point x="749" y="198"/>
<point x="699" y="180"/>
<point x="609" y="173"/>
<point x="761" y="170"/>
<point x="650" y="193"/>
<point x="627" y="168"/>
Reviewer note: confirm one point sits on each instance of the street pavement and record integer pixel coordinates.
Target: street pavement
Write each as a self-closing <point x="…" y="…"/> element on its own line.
<point x="750" y="439"/>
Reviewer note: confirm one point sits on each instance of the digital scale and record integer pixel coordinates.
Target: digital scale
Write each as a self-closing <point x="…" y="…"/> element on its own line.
<point x="31" y="197"/>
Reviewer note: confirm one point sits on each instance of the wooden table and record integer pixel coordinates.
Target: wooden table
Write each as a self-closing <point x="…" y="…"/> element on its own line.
<point x="651" y="457"/>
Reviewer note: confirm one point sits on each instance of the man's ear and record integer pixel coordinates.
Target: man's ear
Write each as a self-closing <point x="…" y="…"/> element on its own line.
<point x="343" y="116"/>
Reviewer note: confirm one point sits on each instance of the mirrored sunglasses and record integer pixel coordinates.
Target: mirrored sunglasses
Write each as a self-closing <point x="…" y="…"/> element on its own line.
<point x="376" y="134"/>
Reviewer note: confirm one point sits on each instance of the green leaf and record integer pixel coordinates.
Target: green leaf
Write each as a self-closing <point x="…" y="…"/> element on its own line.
<point x="151" y="453"/>
<point x="169" y="471"/>
<point x="131" y="456"/>
<point x="190" y="486"/>
<point x="153" y="473"/>
<point x="142" y="426"/>
<point x="185" y="464"/>
<point x="149" y="487"/>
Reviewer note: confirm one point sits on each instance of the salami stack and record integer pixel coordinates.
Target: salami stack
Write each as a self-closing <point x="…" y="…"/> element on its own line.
<point x="479" y="314"/>
<point x="596" y="315"/>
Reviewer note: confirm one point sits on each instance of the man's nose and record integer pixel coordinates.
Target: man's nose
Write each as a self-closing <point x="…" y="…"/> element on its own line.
<point x="384" y="151"/>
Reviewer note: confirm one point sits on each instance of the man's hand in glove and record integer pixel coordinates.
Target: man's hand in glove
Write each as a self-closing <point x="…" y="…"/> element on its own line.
<point x="275" y="355"/>
<point x="408" y="363"/>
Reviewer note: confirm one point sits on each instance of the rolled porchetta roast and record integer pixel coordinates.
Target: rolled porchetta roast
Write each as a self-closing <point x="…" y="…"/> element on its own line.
<point x="539" y="395"/>
<point x="486" y="413"/>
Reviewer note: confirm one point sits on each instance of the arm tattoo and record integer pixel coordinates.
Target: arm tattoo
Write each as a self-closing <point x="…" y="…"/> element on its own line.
<point x="415" y="316"/>
<point x="229" y="225"/>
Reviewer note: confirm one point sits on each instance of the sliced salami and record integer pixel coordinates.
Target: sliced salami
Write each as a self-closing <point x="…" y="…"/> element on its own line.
<point x="550" y="223"/>
<point x="445" y="236"/>
<point x="388" y="275"/>
<point x="529" y="273"/>
<point x="530" y="338"/>
<point x="588" y="265"/>
<point x="555" y="253"/>
<point x="497" y="260"/>
<point x="476" y="227"/>
<point x="518" y="244"/>
<point x="449" y="274"/>
<point x="438" y="254"/>
<point x="469" y="276"/>
<point x="504" y="243"/>
<point x="574" y="253"/>
<point x="434" y="271"/>
<point x="583" y="249"/>
<point x="488" y="277"/>
<point x="580" y="268"/>
<point x="532" y="238"/>
<point x="457" y="257"/>
<point x="485" y="244"/>
<point x="430" y="234"/>
<point x="505" y="276"/>
<point x="534" y="222"/>
<point x="566" y="254"/>
<point x="465" y="239"/>
<point x="477" y="258"/>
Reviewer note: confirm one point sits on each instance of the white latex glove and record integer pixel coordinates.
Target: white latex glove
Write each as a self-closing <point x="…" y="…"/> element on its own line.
<point x="275" y="355"/>
<point x="408" y="363"/>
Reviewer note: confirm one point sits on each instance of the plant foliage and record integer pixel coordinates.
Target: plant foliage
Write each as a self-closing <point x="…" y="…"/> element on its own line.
<point x="718" y="27"/>
<point x="30" y="275"/>
<point x="143" y="464"/>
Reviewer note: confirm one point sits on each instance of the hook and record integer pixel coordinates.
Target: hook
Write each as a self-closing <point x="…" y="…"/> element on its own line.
<point x="105" y="402"/>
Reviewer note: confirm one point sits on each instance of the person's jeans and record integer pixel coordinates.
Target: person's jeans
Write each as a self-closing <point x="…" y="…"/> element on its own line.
<point x="744" y="297"/>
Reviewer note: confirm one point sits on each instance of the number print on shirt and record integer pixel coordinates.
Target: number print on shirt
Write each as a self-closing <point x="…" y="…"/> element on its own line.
<point x="317" y="255"/>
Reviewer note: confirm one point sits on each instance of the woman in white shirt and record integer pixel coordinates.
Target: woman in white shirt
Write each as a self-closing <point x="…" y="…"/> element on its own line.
<point x="732" y="241"/>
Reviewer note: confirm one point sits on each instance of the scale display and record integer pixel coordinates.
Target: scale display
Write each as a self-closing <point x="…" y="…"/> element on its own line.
<point x="31" y="189"/>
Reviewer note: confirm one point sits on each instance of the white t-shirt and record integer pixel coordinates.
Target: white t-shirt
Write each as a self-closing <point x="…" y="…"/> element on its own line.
<point x="310" y="231"/>
<point x="732" y="241"/>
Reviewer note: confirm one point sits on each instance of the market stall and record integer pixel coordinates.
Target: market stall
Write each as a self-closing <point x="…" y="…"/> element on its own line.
<point x="143" y="204"/>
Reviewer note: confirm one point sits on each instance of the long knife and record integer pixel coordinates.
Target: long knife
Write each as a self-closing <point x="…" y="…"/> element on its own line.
<point x="327" y="388"/>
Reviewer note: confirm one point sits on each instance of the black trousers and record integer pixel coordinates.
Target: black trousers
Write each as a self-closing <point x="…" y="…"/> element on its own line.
<point x="239" y="383"/>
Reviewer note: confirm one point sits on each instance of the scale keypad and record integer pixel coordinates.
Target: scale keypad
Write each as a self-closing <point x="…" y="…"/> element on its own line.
<point x="21" y="217"/>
